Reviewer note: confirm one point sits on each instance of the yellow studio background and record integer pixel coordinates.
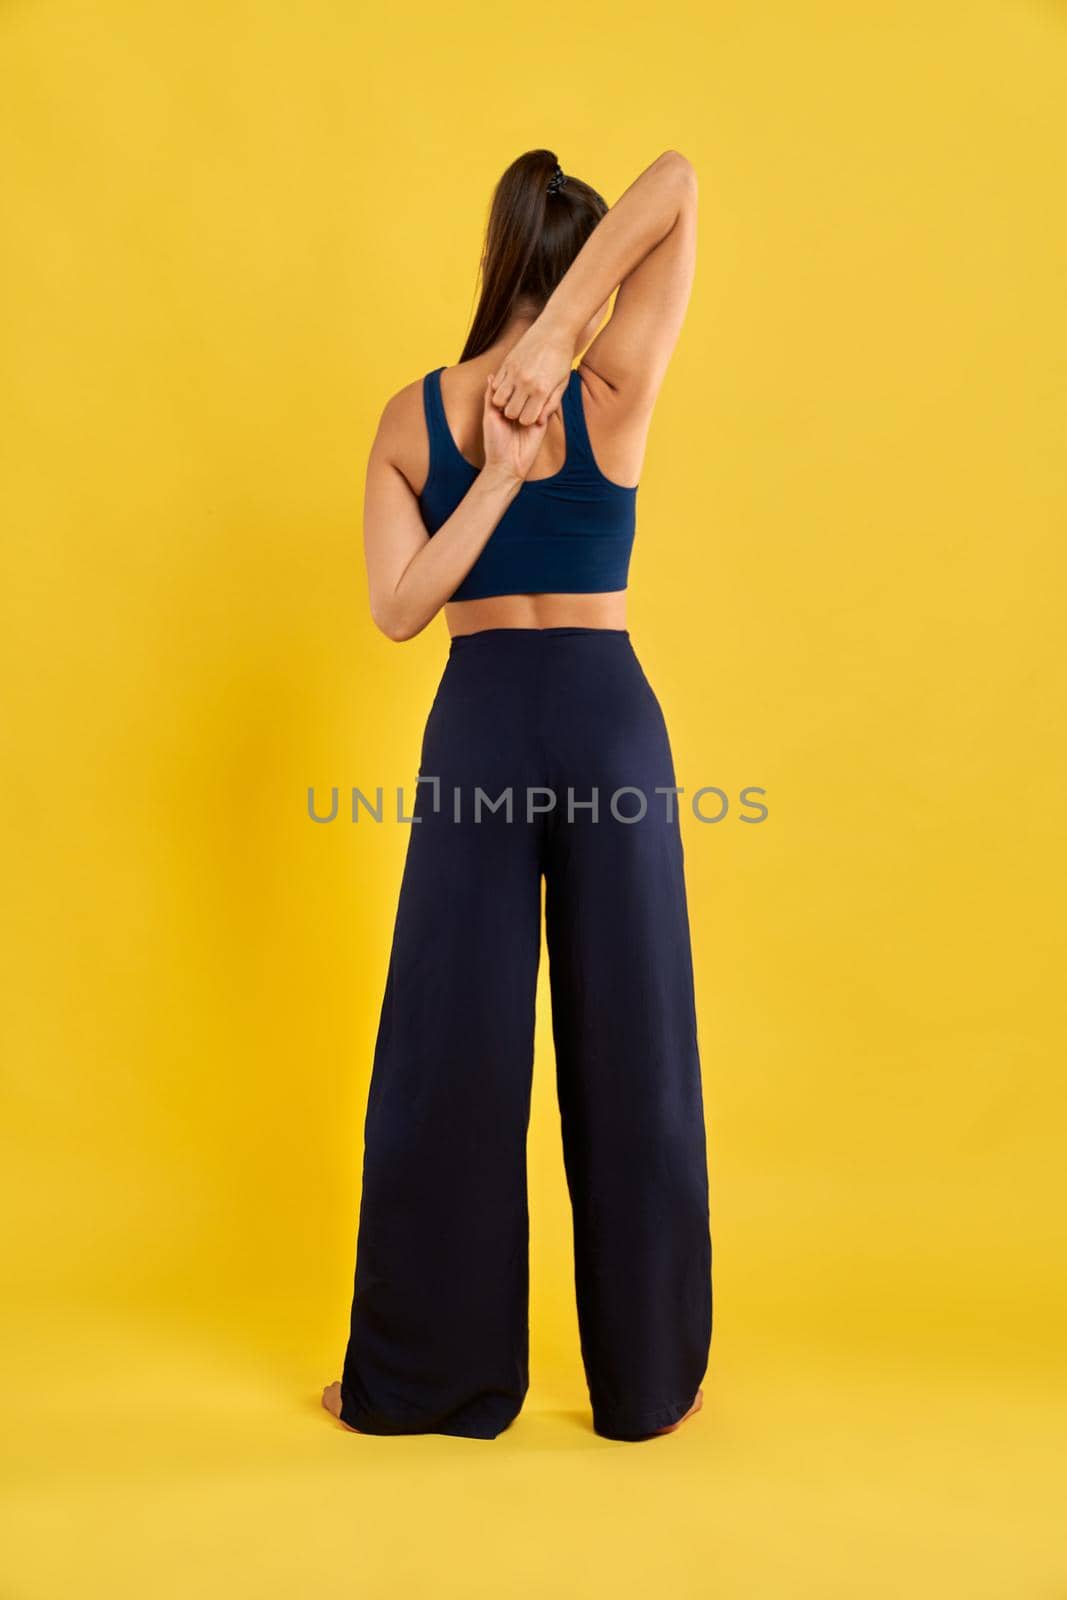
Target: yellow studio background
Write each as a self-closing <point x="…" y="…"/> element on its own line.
<point x="229" y="233"/>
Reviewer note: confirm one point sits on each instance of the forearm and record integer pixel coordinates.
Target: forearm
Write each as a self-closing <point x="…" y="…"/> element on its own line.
<point x="439" y="567"/>
<point x="642" y="216"/>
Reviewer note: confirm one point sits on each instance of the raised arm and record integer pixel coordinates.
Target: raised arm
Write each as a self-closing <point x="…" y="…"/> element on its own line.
<point x="646" y="247"/>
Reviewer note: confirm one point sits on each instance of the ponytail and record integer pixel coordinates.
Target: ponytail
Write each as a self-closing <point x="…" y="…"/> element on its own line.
<point x="539" y="219"/>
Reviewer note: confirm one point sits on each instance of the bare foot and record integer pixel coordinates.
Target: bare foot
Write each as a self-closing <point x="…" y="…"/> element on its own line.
<point x="697" y="1403"/>
<point x="331" y="1399"/>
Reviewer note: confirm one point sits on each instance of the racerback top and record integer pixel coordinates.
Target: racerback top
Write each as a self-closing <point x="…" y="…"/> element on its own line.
<point x="570" y="533"/>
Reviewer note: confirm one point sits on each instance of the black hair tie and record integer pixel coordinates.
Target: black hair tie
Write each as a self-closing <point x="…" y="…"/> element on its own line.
<point x="557" y="180"/>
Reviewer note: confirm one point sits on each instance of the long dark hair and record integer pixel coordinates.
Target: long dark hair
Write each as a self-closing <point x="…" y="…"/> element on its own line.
<point x="531" y="238"/>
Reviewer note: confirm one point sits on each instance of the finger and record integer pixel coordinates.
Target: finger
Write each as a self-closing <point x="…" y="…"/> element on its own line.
<point x="502" y="397"/>
<point x="537" y="404"/>
<point x="552" y="403"/>
<point x="490" y="404"/>
<point x="531" y="410"/>
<point x="502" y="388"/>
<point x="517" y="400"/>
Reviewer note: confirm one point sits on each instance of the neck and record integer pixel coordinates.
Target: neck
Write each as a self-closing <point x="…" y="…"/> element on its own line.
<point x="512" y="333"/>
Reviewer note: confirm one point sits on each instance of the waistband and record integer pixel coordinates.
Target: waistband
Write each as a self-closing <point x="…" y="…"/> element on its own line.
<point x="533" y="638"/>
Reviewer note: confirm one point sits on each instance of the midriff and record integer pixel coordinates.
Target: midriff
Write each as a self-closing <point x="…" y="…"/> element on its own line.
<point x="537" y="611"/>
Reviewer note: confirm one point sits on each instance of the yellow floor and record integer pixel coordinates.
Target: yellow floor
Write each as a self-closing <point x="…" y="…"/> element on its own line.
<point x="161" y="1459"/>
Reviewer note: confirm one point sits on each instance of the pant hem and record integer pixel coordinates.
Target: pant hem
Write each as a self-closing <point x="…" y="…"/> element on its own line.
<point x="374" y="1422"/>
<point x="640" y="1424"/>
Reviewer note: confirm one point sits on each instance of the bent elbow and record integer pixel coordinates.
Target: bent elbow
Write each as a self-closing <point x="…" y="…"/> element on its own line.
<point x="396" y="629"/>
<point x="394" y="624"/>
<point x="681" y="166"/>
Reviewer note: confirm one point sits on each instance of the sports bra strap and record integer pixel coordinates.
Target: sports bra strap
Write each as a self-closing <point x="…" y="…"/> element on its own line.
<point x="577" y="442"/>
<point x="433" y="406"/>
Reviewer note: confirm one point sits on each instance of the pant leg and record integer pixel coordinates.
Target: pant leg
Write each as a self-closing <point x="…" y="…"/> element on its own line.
<point x="627" y="1060"/>
<point x="439" y="1325"/>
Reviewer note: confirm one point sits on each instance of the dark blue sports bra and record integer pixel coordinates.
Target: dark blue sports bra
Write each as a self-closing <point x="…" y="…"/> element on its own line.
<point x="570" y="533"/>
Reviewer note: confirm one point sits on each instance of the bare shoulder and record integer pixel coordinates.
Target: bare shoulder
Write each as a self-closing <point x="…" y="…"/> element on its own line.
<point x="400" y="438"/>
<point x="400" y="412"/>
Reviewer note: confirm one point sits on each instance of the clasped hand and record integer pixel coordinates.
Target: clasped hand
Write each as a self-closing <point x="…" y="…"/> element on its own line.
<point x="520" y="398"/>
<point x="529" y="383"/>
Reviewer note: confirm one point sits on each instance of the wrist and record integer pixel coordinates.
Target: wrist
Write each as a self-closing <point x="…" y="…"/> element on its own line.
<point x="556" y="323"/>
<point x="500" y="479"/>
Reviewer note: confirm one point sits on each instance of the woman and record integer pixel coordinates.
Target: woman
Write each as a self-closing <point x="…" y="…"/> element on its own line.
<point x="503" y="491"/>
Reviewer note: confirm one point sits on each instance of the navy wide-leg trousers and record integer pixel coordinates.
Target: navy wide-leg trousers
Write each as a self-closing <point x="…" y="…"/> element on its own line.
<point x="563" y="721"/>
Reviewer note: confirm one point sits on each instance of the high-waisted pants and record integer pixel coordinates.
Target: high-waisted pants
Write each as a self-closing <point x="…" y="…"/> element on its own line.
<point x="439" y="1339"/>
